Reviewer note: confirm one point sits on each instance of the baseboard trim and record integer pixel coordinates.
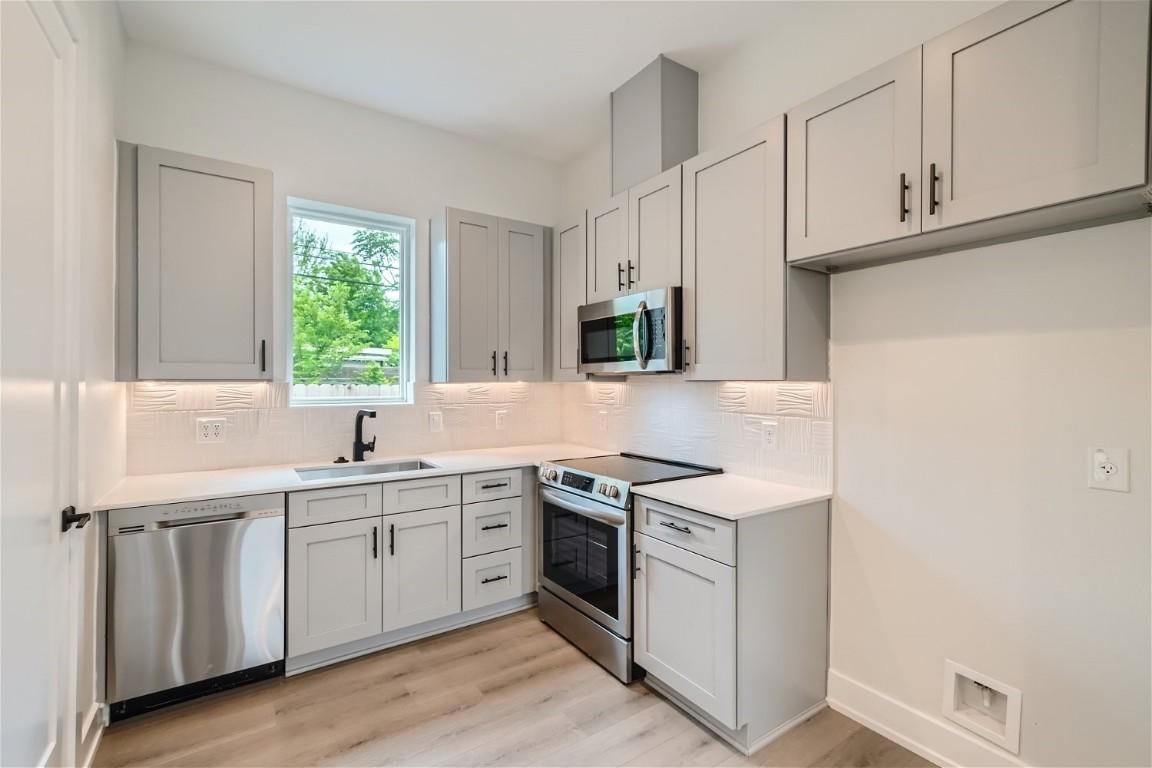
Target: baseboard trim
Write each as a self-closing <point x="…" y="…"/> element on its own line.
<point x="930" y="737"/>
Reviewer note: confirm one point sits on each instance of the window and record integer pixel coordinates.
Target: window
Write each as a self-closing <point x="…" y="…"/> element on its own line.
<point x="351" y="326"/>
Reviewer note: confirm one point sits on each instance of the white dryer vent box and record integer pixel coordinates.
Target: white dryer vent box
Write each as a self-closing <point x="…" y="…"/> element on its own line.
<point x="986" y="707"/>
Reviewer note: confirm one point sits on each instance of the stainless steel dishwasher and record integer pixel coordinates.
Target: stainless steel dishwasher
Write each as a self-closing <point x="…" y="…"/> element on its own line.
<point x="195" y="599"/>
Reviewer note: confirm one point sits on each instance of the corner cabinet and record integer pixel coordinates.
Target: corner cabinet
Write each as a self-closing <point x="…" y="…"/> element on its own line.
<point x="747" y="315"/>
<point x="1029" y="118"/>
<point x="194" y="277"/>
<point x="569" y="293"/>
<point x="488" y="299"/>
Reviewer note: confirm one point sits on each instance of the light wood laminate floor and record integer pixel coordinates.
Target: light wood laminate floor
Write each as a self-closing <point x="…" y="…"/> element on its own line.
<point x="508" y="692"/>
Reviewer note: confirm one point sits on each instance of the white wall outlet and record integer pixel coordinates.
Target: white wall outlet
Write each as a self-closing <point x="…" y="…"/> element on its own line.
<point x="435" y="421"/>
<point x="501" y="419"/>
<point x="769" y="434"/>
<point x="984" y="706"/>
<point x="211" y="430"/>
<point x="602" y="420"/>
<point x="1108" y="469"/>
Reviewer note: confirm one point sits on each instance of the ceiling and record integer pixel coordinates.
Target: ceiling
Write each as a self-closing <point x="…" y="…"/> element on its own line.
<point x="531" y="76"/>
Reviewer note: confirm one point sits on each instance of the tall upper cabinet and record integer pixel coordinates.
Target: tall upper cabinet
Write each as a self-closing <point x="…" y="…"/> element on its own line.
<point x="1033" y="116"/>
<point x="569" y="292"/>
<point x="488" y="299"/>
<point x="195" y="268"/>
<point x="747" y="315"/>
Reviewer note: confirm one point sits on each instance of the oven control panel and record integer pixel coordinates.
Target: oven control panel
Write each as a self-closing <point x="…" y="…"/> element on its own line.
<point x="579" y="482"/>
<point x="605" y="489"/>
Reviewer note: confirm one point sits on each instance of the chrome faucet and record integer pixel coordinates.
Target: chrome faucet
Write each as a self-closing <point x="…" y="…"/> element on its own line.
<point x="358" y="444"/>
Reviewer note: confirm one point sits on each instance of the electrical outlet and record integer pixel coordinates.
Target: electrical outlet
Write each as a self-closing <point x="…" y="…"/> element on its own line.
<point x="435" y="421"/>
<point x="769" y="431"/>
<point x="211" y="430"/>
<point x="603" y="420"/>
<point x="1108" y="469"/>
<point x="501" y="419"/>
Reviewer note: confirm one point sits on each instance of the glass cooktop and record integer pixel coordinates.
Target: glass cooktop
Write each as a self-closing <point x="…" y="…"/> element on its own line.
<point x="636" y="470"/>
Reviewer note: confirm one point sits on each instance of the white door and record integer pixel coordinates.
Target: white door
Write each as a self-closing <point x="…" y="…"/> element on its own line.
<point x="204" y="266"/>
<point x="685" y="632"/>
<point x="422" y="568"/>
<point x="734" y="289"/>
<point x="854" y="162"/>
<point x="1033" y="104"/>
<point x="38" y="654"/>
<point x="569" y="293"/>
<point x="334" y="584"/>
<point x="473" y="296"/>
<point x="521" y="301"/>
<point x="608" y="249"/>
<point x="654" y="232"/>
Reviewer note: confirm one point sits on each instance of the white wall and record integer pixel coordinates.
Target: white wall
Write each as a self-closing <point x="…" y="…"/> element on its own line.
<point x="969" y="388"/>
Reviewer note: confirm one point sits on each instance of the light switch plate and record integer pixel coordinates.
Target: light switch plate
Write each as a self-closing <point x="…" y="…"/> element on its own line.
<point x="501" y="419"/>
<point x="1108" y="469"/>
<point x="435" y="421"/>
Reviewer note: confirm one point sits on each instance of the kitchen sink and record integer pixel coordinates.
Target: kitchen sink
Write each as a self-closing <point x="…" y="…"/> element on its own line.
<point x="356" y="470"/>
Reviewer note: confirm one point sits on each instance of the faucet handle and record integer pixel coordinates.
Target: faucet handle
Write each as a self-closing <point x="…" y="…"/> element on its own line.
<point x="372" y="445"/>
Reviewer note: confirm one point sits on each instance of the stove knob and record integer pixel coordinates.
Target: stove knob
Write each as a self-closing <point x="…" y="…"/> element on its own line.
<point x="550" y="474"/>
<point x="612" y="492"/>
<point x="601" y="488"/>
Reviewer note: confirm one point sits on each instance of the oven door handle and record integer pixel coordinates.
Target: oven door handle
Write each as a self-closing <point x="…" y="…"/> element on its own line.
<point x="592" y="509"/>
<point x="639" y="351"/>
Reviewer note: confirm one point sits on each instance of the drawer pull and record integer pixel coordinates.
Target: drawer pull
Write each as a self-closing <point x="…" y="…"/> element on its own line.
<point x="678" y="528"/>
<point x="494" y="578"/>
<point x="490" y="486"/>
<point x="493" y="527"/>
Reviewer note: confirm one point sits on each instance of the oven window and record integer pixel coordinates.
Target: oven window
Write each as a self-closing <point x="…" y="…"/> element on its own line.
<point x="581" y="555"/>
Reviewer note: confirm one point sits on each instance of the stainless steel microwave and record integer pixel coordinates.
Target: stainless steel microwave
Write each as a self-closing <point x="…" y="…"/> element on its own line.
<point x="637" y="333"/>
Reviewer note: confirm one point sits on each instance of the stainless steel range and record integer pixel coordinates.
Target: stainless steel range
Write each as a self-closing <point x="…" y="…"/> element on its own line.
<point x="586" y="549"/>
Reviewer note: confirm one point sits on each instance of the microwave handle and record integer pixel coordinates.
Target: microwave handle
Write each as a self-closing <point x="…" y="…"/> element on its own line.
<point x="637" y="350"/>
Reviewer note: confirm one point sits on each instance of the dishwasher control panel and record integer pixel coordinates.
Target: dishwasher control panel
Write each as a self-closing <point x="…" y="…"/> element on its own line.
<point x="141" y="519"/>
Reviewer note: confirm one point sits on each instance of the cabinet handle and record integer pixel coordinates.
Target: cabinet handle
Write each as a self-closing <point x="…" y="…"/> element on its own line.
<point x="263" y="355"/>
<point x="678" y="528"/>
<point x="631" y="282"/>
<point x="505" y="363"/>
<point x="904" y="197"/>
<point x="375" y="553"/>
<point x="619" y="276"/>
<point x="493" y="362"/>
<point x="933" y="177"/>
<point x="392" y="539"/>
<point x="490" y="486"/>
<point x="494" y="578"/>
<point x="635" y="561"/>
<point x="493" y="527"/>
<point x="685" y="355"/>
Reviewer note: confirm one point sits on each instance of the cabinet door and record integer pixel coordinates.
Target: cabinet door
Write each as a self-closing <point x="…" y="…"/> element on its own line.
<point x="422" y="566"/>
<point x="607" y="249"/>
<point x="473" y="296"/>
<point x="685" y="633"/>
<point x="334" y="582"/>
<point x="654" y="233"/>
<point x="854" y="162"/>
<point x="1033" y="104"/>
<point x="734" y="289"/>
<point x="521" y="301"/>
<point x="204" y="268"/>
<point x="569" y="293"/>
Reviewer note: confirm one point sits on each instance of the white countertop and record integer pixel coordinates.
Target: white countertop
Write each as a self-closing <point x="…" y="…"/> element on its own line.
<point x="143" y="490"/>
<point x="731" y="496"/>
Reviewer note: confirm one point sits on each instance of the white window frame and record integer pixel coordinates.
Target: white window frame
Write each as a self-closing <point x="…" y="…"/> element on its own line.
<point x="406" y="227"/>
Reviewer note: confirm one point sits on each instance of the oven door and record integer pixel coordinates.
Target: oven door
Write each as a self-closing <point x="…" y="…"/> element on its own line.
<point x="584" y="557"/>
<point x="638" y="333"/>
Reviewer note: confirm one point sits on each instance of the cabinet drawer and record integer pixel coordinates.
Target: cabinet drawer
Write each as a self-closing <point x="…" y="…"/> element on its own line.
<point x="705" y="535"/>
<point x="492" y="578"/>
<point x="422" y="493"/>
<point x="492" y="485"/>
<point x="333" y="505"/>
<point x="490" y="526"/>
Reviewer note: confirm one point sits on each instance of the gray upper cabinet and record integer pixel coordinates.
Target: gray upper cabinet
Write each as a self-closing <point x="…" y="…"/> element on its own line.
<point x="1034" y="104"/>
<point x="854" y="162"/>
<point x="654" y="232"/>
<point x="608" y="249"/>
<point x="195" y="272"/>
<point x="569" y="292"/>
<point x="488" y="299"/>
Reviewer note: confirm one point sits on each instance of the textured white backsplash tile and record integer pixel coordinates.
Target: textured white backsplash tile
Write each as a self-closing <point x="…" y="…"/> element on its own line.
<point x="716" y="423"/>
<point x="263" y="429"/>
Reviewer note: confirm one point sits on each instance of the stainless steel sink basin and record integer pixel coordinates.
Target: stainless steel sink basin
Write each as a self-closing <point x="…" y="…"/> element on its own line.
<point x="356" y="470"/>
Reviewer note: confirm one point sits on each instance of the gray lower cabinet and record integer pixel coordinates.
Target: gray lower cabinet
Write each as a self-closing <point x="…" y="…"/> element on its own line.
<point x="194" y="279"/>
<point x="421" y="566"/>
<point x="494" y="530"/>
